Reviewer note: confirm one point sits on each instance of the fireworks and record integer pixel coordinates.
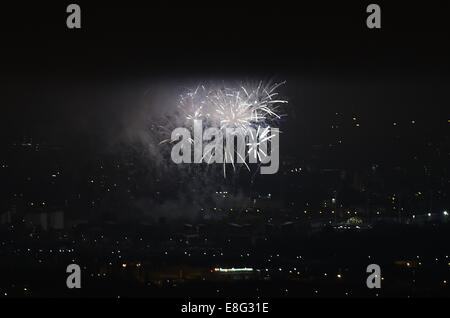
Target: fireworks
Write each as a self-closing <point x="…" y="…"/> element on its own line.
<point x="246" y="112"/>
<point x="224" y="107"/>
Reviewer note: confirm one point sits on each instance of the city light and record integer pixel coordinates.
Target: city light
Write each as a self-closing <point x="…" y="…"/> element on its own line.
<point x="226" y="270"/>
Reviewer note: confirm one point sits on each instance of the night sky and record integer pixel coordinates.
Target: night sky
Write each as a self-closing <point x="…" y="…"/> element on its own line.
<point x="85" y="86"/>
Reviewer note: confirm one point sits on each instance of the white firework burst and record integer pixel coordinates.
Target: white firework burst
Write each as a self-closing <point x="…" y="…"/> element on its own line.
<point x="244" y="108"/>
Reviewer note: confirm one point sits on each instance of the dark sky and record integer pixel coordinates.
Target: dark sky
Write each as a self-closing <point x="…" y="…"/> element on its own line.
<point x="76" y="86"/>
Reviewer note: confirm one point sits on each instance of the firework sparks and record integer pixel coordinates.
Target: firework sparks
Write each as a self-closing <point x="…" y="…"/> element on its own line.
<point x="225" y="107"/>
<point x="245" y="109"/>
